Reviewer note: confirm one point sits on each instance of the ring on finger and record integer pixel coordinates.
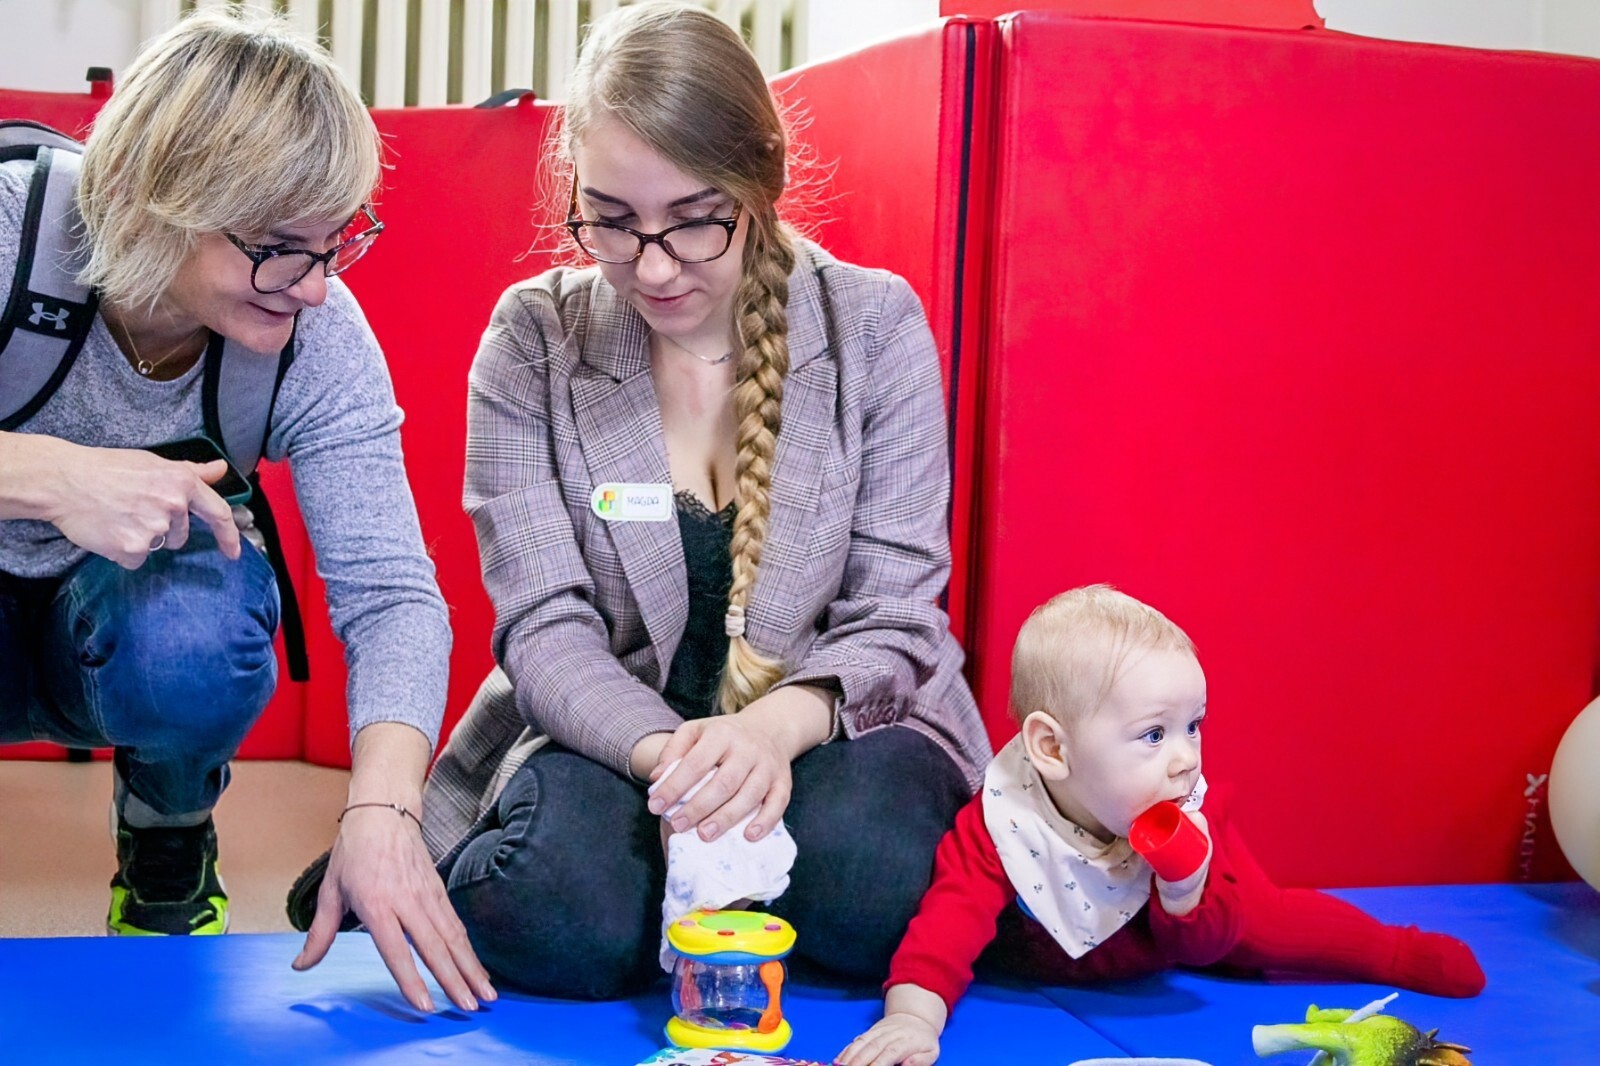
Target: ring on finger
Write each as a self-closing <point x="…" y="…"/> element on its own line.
<point x="159" y="543"/>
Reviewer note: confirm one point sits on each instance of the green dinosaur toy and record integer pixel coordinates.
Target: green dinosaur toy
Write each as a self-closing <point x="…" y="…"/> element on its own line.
<point x="1359" y="1038"/>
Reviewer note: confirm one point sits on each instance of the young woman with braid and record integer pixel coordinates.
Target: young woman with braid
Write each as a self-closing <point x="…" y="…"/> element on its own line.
<point x="708" y="477"/>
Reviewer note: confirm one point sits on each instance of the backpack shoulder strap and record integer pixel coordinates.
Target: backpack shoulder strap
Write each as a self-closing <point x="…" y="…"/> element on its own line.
<point x="238" y="391"/>
<point x="294" y="630"/>
<point x="21" y="139"/>
<point x="47" y="314"/>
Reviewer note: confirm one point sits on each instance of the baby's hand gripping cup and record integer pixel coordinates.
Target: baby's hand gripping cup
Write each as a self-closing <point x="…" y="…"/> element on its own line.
<point x="1170" y="841"/>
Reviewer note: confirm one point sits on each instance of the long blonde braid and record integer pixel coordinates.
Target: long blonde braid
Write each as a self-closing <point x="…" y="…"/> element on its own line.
<point x="684" y="82"/>
<point x="762" y="318"/>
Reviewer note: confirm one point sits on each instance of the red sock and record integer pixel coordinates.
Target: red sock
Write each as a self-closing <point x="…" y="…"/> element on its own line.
<point x="1312" y="934"/>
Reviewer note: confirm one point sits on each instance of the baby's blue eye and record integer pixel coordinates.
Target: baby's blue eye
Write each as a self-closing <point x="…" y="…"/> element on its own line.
<point x="1194" y="726"/>
<point x="1154" y="736"/>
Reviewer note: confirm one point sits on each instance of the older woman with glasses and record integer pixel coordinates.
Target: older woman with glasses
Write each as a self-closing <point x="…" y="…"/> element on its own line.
<point x="223" y="186"/>
<point x="709" y="481"/>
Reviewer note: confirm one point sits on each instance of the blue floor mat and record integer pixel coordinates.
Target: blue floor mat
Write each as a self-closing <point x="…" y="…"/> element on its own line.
<point x="233" y="999"/>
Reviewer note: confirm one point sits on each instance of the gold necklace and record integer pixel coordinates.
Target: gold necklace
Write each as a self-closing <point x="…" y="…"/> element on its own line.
<point x="146" y="367"/>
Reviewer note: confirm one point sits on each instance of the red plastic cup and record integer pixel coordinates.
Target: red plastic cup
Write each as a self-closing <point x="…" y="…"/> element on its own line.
<point x="1170" y="841"/>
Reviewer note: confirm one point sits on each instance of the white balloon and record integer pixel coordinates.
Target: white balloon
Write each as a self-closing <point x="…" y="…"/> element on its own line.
<point x="1575" y="794"/>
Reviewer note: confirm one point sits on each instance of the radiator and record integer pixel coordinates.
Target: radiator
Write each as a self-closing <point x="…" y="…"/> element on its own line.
<point x="433" y="52"/>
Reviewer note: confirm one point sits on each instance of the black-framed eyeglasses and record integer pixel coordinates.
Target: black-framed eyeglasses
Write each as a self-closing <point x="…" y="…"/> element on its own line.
<point x="280" y="267"/>
<point x="698" y="241"/>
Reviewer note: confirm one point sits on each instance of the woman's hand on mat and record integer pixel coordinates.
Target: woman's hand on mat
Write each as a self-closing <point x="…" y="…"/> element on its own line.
<point x="124" y="503"/>
<point x="750" y="752"/>
<point x="380" y="870"/>
<point x="902" y="1037"/>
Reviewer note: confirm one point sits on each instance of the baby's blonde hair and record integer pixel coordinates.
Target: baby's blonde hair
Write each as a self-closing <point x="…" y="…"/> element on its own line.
<point x="1072" y="648"/>
<point x="225" y="124"/>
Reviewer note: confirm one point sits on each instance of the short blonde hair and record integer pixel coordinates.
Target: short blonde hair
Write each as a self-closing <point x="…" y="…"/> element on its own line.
<point x="1072" y="647"/>
<point x="225" y="123"/>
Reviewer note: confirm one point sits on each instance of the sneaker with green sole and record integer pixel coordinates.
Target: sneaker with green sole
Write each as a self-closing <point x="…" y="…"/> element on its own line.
<point x="167" y="883"/>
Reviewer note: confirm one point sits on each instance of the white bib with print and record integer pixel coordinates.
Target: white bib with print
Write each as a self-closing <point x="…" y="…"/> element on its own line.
<point x="1080" y="890"/>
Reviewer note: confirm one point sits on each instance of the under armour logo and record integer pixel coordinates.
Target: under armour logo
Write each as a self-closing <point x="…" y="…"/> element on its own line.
<point x="41" y="315"/>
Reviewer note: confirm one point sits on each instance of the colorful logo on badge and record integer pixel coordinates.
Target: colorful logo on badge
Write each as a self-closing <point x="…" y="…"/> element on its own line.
<point x="619" y="501"/>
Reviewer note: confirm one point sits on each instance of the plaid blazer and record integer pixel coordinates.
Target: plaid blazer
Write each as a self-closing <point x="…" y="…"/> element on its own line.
<point x="588" y="612"/>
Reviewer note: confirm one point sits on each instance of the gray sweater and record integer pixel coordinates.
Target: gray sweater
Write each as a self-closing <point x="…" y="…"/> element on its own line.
<point x="337" y="424"/>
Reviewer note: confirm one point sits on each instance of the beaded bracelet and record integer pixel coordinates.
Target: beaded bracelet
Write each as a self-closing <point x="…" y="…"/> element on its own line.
<point x="398" y="808"/>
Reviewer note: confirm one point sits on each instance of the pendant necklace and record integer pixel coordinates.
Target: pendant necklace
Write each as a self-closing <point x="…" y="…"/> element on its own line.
<point x="146" y="367"/>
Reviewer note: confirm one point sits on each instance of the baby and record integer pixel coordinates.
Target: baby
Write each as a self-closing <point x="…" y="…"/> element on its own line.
<point x="1110" y="698"/>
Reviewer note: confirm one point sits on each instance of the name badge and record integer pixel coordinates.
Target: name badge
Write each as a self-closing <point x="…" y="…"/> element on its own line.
<point x="620" y="502"/>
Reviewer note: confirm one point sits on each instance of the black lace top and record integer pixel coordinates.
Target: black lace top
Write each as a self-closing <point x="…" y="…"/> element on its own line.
<point x="697" y="665"/>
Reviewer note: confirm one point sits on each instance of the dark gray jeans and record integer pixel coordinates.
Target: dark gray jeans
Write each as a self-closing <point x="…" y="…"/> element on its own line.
<point x="561" y="895"/>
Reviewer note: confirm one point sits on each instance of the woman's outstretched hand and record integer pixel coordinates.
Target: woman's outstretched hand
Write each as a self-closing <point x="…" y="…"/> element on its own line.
<point x="750" y="752"/>
<point x="381" y="871"/>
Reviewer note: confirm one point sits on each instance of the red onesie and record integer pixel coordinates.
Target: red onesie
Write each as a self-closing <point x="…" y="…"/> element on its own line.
<point x="1243" y="924"/>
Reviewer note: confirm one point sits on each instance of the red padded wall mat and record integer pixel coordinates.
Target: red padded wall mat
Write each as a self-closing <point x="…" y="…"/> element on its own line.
<point x="1262" y="14"/>
<point x="894" y="144"/>
<point x="71" y="113"/>
<point x="1294" y="336"/>
<point x="461" y="205"/>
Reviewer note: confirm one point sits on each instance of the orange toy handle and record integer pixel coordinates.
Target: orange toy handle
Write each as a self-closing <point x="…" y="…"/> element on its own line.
<point x="772" y="977"/>
<point x="689" y="991"/>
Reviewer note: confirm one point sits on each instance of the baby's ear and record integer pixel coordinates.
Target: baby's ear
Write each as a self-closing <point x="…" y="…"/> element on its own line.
<point x="1045" y="740"/>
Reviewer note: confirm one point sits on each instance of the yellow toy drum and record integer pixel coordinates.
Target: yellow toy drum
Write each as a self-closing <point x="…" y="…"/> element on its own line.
<point x="727" y="982"/>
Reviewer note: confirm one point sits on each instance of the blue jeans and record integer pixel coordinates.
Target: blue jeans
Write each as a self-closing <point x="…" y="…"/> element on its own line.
<point x="561" y="893"/>
<point x="169" y="664"/>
